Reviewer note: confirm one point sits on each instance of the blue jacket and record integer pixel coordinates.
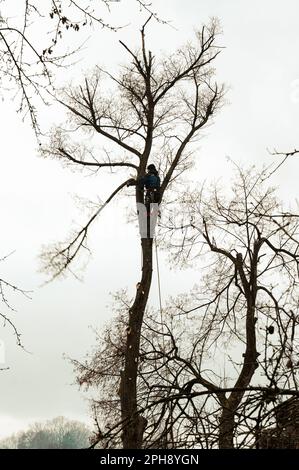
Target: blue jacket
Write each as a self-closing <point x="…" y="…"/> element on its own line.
<point x="149" y="181"/>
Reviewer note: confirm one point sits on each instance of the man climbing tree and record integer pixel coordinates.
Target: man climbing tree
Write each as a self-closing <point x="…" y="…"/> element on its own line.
<point x="156" y="104"/>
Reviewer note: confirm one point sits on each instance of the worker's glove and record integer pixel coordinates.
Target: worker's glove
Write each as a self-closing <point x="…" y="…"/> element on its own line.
<point x="131" y="182"/>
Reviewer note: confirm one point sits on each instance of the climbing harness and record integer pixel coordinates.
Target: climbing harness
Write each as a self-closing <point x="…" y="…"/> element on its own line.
<point x="159" y="281"/>
<point x="151" y="196"/>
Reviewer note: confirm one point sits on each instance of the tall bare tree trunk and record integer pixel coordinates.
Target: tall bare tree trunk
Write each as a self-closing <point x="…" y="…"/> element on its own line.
<point x="134" y="423"/>
<point x="227" y="423"/>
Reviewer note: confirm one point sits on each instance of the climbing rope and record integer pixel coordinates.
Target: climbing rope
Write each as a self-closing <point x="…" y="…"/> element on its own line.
<point x="158" y="278"/>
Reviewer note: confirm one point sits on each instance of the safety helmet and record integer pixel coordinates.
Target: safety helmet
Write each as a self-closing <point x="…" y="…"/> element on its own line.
<point x="151" y="167"/>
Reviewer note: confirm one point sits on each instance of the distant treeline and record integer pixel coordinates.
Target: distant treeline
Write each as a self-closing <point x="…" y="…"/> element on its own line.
<point x="58" y="433"/>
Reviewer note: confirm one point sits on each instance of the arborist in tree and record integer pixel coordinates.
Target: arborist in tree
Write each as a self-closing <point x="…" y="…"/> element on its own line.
<point x="151" y="183"/>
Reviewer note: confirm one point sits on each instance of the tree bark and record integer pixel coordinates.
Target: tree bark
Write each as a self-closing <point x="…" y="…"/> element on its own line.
<point x="134" y="423"/>
<point x="226" y="426"/>
<point x="226" y="429"/>
<point x="227" y="423"/>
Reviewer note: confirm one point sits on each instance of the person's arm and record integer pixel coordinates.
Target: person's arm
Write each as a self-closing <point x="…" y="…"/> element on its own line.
<point x="132" y="182"/>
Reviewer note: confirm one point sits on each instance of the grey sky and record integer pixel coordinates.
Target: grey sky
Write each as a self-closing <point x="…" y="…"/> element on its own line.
<point x="259" y="64"/>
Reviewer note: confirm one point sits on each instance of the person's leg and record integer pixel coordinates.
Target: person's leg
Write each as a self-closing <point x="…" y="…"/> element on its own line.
<point x="142" y="219"/>
<point x="154" y="212"/>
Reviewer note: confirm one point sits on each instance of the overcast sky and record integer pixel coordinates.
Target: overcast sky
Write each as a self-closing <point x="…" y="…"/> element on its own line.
<point x="260" y="65"/>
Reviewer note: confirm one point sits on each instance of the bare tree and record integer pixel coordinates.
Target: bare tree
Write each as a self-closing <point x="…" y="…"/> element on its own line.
<point x="36" y="39"/>
<point x="155" y="111"/>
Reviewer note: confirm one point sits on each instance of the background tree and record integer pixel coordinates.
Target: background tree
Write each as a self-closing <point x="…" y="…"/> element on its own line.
<point x="154" y="112"/>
